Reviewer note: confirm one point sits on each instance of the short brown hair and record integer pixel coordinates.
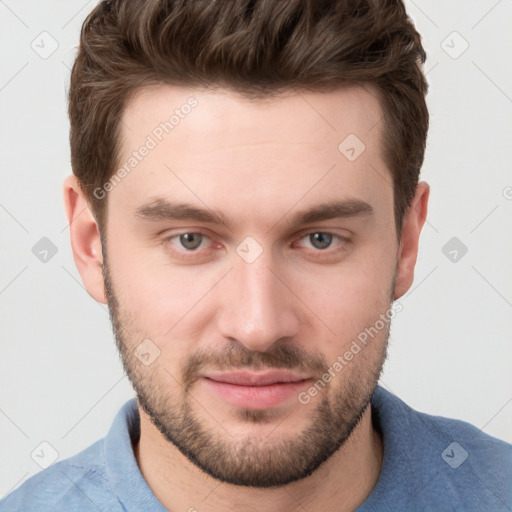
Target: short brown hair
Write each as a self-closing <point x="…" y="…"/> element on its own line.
<point x="257" y="48"/>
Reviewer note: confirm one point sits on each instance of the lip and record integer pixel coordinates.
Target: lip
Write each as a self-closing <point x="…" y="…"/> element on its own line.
<point x="256" y="390"/>
<point x="245" y="378"/>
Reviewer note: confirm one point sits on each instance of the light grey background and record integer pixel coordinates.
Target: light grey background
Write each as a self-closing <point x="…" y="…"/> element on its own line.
<point x="451" y="351"/>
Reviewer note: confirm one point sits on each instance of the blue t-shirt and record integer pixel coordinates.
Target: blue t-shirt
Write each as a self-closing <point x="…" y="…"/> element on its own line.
<point x="430" y="464"/>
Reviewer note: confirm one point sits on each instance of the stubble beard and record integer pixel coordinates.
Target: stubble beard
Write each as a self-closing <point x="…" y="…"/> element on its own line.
<point x="253" y="461"/>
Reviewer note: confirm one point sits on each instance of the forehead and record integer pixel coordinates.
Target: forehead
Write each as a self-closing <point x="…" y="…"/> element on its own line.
<point x="216" y="147"/>
<point x="352" y="109"/>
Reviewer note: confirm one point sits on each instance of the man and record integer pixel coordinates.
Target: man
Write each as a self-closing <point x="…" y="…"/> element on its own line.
<point x="246" y="199"/>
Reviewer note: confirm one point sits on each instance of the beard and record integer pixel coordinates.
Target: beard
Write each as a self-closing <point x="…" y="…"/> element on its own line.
<point x="252" y="461"/>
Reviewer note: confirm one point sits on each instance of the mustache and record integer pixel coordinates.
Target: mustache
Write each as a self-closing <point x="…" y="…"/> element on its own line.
<point x="236" y="356"/>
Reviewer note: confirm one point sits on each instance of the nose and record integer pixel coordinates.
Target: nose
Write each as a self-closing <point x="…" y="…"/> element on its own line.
<point x="258" y="308"/>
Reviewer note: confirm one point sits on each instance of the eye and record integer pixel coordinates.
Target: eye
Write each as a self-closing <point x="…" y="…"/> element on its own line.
<point x="194" y="244"/>
<point x="188" y="241"/>
<point x="322" y="240"/>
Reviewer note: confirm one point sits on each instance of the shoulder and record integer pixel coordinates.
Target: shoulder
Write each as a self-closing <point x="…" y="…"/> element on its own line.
<point x="474" y="467"/>
<point x="78" y="483"/>
<point x="447" y="462"/>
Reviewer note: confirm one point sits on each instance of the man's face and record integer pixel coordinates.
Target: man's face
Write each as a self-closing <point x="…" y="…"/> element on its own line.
<point x="202" y="309"/>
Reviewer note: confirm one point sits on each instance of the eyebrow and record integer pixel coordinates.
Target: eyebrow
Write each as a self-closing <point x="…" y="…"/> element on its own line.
<point x="160" y="208"/>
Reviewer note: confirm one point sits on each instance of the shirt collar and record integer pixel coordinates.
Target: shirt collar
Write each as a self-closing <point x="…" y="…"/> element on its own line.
<point x="123" y="473"/>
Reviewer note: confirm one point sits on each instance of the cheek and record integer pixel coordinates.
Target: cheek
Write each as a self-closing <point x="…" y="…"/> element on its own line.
<point x="163" y="302"/>
<point x="349" y="300"/>
<point x="355" y="291"/>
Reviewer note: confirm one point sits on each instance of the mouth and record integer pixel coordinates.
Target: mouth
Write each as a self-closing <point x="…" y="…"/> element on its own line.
<point x="256" y="390"/>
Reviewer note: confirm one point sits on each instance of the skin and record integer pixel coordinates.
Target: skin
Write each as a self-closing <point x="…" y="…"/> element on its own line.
<point x="258" y="162"/>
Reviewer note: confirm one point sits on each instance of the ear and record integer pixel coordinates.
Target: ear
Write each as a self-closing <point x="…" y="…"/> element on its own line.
<point x="411" y="229"/>
<point x="85" y="239"/>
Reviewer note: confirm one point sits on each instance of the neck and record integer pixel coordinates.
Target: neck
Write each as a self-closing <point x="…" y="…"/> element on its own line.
<point x="342" y="483"/>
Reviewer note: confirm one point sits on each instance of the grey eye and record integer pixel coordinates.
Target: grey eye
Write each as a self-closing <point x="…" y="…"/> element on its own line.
<point x="191" y="240"/>
<point x="320" y="240"/>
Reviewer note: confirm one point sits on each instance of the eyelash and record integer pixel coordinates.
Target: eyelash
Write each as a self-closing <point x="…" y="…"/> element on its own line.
<point x="187" y="253"/>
